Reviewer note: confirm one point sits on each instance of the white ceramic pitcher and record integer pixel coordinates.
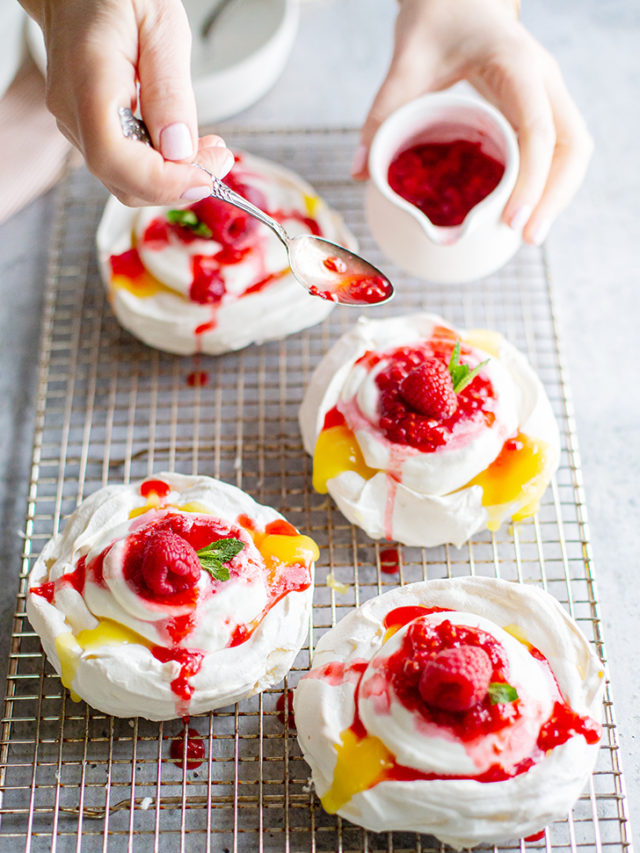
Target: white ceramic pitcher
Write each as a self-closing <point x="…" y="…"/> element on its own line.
<point x="443" y="254"/>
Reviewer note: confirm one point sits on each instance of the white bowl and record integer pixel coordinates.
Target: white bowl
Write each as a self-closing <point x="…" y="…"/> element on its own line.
<point x="244" y="55"/>
<point x="482" y="243"/>
<point x="237" y="64"/>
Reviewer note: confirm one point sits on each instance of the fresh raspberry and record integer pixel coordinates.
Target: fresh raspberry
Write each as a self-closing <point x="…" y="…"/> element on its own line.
<point x="429" y="390"/>
<point x="169" y="564"/>
<point x="456" y="679"/>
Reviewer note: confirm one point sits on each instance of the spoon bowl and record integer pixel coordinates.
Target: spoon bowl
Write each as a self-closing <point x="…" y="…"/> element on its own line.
<point x="335" y="273"/>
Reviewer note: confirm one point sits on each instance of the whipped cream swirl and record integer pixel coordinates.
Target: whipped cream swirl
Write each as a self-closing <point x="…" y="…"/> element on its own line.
<point x="425" y="498"/>
<point x="131" y="652"/>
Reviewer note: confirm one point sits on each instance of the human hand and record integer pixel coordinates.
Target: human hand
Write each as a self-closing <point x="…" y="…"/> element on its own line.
<point x="97" y="52"/>
<point x="438" y="43"/>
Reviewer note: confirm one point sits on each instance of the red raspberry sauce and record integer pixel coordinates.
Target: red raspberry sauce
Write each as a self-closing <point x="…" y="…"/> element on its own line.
<point x="280" y="527"/>
<point x="356" y="290"/>
<point x="46" y="590"/>
<point x="128" y="264"/>
<point x="390" y="561"/>
<point x="190" y="661"/>
<point x="403" y="425"/>
<point x="445" y="180"/>
<point x="280" y="709"/>
<point x="563" y="724"/>
<point x="333" y="418"/>
<point x="193" y="755"/>
<point x="294" y="578"/>
<point x="197" y="379"/>
<point x="401" y="616"/>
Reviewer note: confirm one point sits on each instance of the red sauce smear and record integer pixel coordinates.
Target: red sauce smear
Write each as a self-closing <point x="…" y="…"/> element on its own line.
<point x="369" y="359"/>
<point x="155" y="487"/>
<point x="401" y="616"/>
<point x="127" y="264"/>
<point x="403" y="425"/>
<point x="295" y="577"/>
<point x="565" y="723"/>
<point x="536" y="836"/>
<point x="188" y="752"/>
<point x="357" y="290"/>
<point x="46" y="590"/>
<point x="445" y="180"/>
<point x="288" y="718"/>
<point x="197" y="379"/>
<point x="390" y="561"/>
<point x="335" y="265"/>
<point x="333" y="418"/>
<point x="190" y="661"/>
<point x="280" y="527"/>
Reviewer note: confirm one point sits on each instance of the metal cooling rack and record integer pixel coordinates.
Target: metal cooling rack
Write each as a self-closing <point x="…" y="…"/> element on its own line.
<point x="110" y="409"/>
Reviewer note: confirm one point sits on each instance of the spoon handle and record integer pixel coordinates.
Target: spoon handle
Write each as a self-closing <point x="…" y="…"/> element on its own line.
<point x="135" y="128"/>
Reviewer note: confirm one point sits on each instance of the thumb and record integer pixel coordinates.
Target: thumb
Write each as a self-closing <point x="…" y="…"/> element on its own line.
<point x="398" y="88"/>
<point x="167" y="101"/>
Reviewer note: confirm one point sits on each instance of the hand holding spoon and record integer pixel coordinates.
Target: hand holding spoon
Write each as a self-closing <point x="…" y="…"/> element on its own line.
<point x="324" y="268"/>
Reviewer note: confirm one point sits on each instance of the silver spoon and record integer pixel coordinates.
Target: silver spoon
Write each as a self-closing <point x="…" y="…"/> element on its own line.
<point x="323" y="267"/>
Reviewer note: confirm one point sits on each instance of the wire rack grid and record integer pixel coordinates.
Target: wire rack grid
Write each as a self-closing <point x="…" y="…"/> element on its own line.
<point x="110" y="409"/>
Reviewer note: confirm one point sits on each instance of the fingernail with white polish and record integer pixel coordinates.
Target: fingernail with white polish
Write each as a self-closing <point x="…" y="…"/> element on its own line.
<point x="520" y="217"/>
<point x="196" y="193"/>
<point x="540" y="232"/>
<point x="359" y="161"/>
<point x="225" y="163"/>
<point x="175" y="142"/>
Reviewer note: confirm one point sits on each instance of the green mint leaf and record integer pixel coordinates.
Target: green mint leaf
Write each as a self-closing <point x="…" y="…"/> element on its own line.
<point x="461" y="374"/>
<point x="214" y="556"/>
<point x="501" y="692"/>
<point x="188" y="219"/>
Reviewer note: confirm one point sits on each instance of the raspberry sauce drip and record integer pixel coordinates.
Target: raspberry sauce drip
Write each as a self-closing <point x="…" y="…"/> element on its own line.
<point x="188" y="753"/>
<point x="280" y="527"/>
<point x="127" y="264"/>
<point x="401" y="616"/>
<point x="563" y="724"/>
<point x="295" y="578"/>
<point x="390" y="561"/>
<point x="401" y="424"/>
<point x="197" y="379"/>
<point x="45" y="590"/>
<point x="155" y="487"/>
<point x="445" y="180"/>
<point x="207" y="284"/>
<point x="336" y="672"/>
<point x="356" y="289"/>
<point x="288" y="718"/>
<point x="333" y="418"/>
<point x="190" y="661"/>
<point x="335" y="265"/>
